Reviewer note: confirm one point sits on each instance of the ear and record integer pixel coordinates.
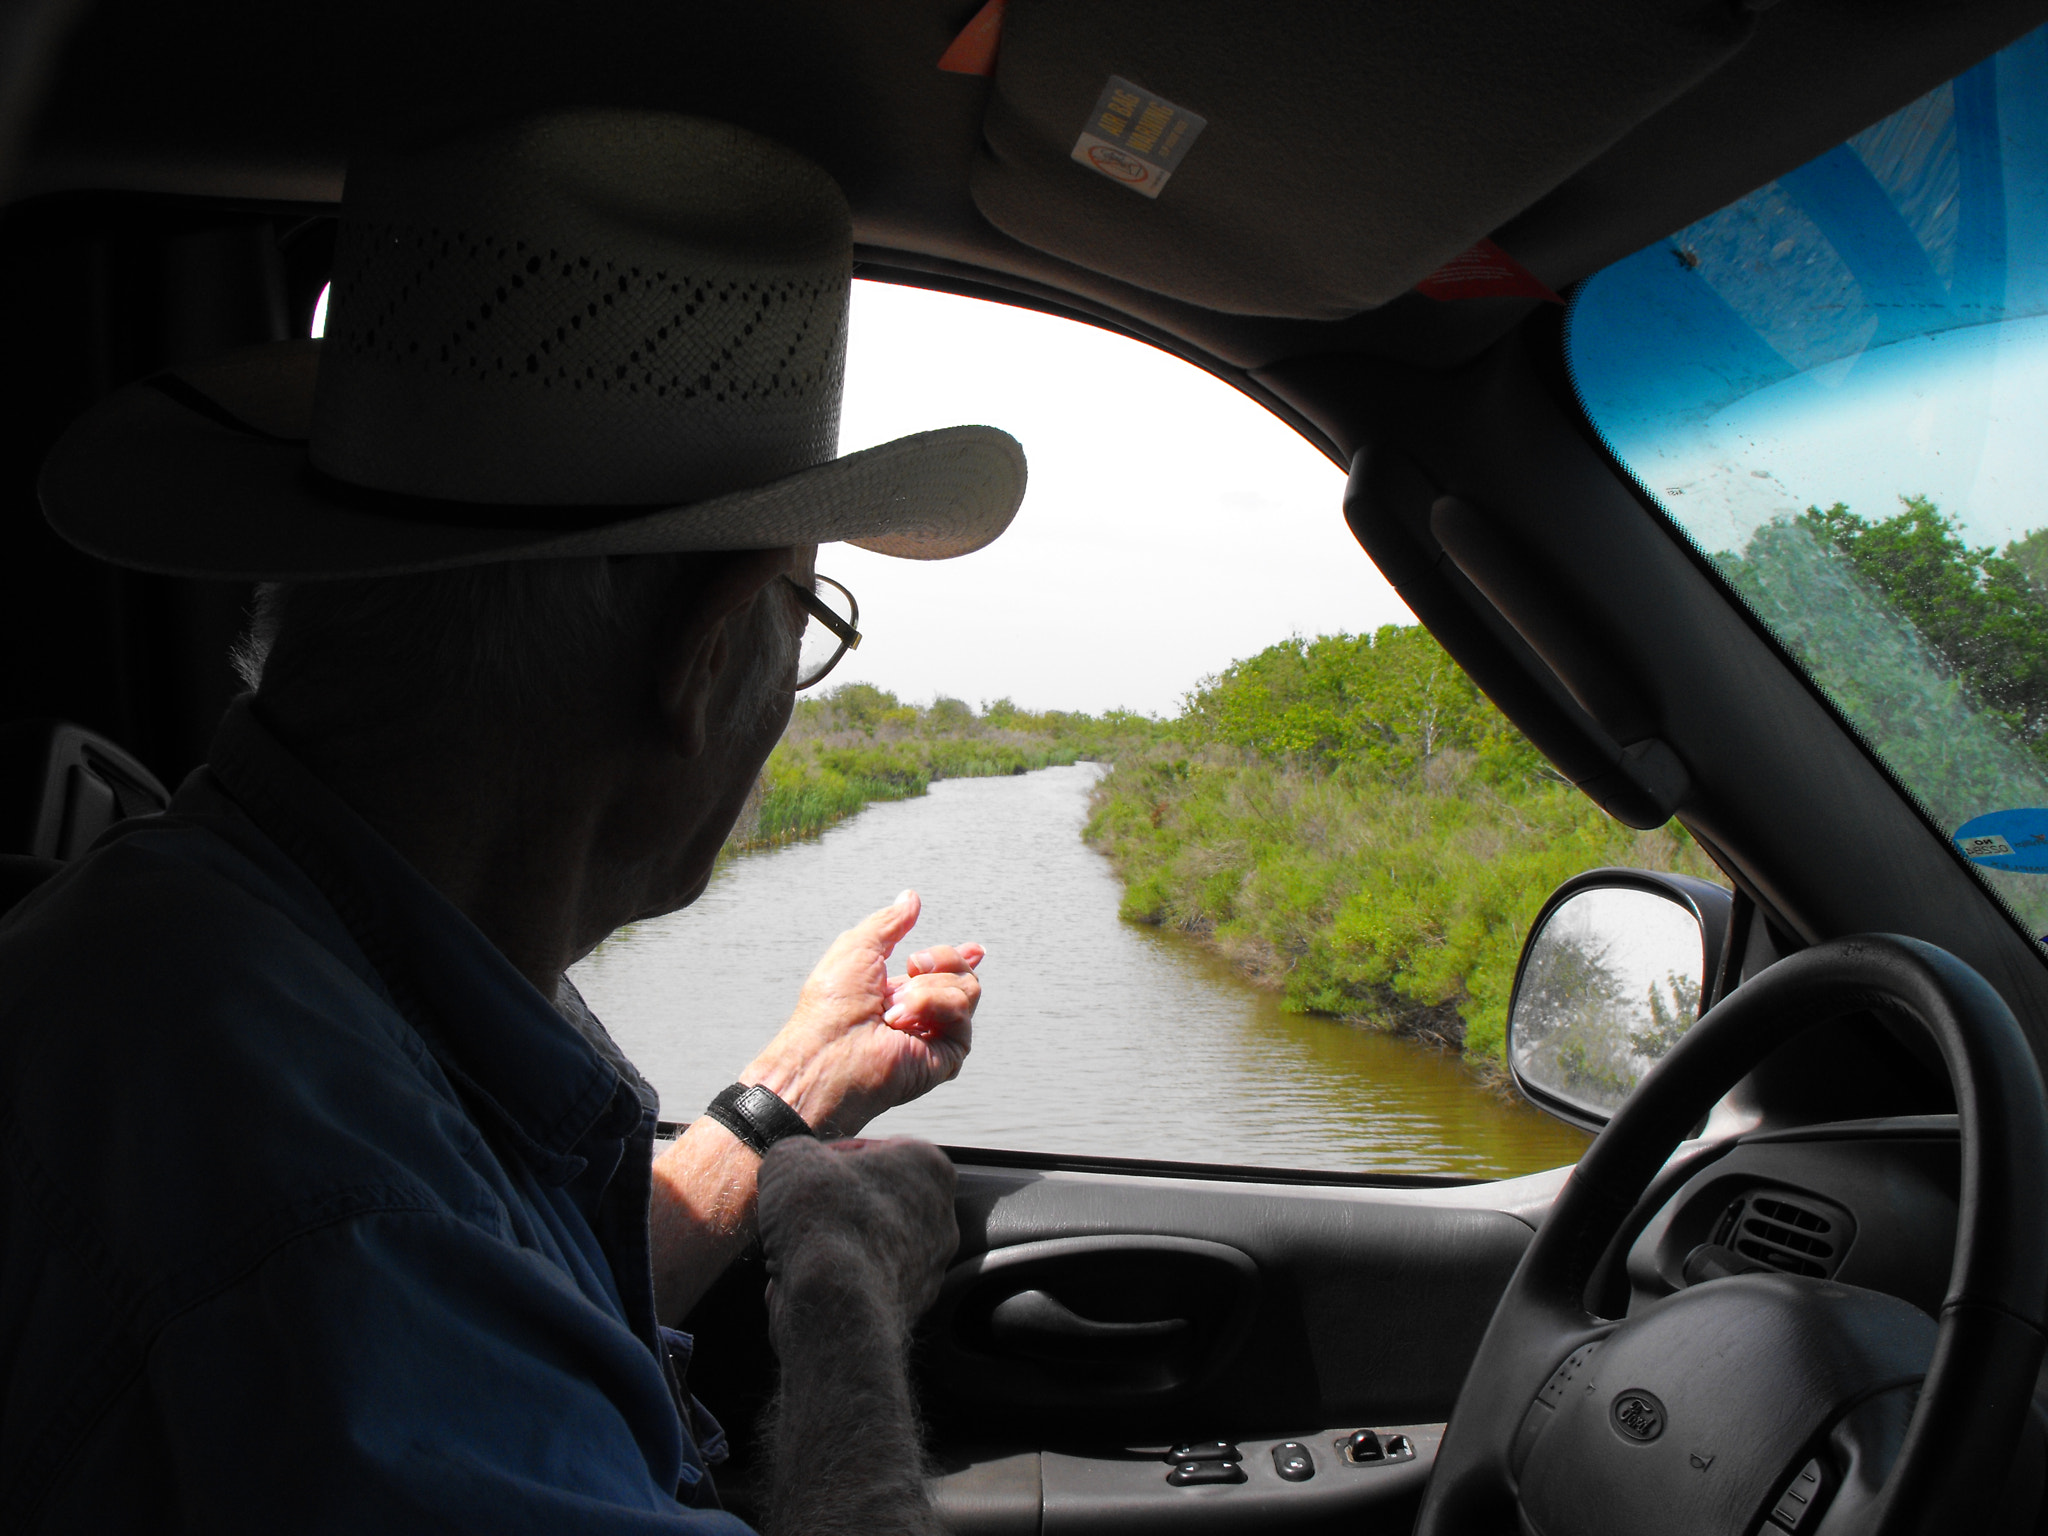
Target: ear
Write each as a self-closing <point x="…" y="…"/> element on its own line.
<point x="700" y="647"/>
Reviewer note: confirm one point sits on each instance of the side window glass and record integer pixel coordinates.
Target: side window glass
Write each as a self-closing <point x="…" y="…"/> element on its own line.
<point x="1252" y="858"/>
<point x="1836" y="386"/>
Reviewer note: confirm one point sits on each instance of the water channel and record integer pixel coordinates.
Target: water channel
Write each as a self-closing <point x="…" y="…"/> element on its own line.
<point x="1094" y="1035"/>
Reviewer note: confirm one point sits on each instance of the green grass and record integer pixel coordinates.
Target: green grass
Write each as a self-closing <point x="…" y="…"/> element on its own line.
<point x="1352" y="823"/>
<point x="859" y="744"/>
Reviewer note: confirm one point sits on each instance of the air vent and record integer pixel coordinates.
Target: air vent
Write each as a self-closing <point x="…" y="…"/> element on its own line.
<point x="1792" y="1235"/>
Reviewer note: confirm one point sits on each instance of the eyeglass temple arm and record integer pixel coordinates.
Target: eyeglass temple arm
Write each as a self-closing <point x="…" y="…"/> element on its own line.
<point x="824" y="615"/>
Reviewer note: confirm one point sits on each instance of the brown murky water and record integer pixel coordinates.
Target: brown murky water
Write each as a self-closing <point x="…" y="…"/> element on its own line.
<point x="1094" y="1035"/>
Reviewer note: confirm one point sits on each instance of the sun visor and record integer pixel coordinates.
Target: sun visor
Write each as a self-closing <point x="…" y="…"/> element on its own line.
<point x="1310" y="161"/>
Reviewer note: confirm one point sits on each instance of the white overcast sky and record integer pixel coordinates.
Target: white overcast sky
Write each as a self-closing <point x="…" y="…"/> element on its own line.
<point x="1172" y="525"/>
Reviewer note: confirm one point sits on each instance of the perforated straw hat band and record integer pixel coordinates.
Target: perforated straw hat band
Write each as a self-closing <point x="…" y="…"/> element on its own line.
<point x="593" y="333"/>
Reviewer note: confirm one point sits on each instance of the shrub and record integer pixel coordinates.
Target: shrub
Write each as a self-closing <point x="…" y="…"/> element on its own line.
<point x="1351" y="821"/>
<point x="860" y="743"/>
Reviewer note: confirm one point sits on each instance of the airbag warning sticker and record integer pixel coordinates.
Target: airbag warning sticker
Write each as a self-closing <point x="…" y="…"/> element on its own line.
<point x="1135" y="137"/>
<point x="2015" y="841"/>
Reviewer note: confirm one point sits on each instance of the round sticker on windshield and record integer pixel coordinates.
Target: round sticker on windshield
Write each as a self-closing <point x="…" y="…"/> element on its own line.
<point x="2010" y="840"/>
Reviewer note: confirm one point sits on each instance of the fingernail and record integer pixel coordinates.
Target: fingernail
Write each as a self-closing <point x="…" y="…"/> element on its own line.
<point x="893" y="1014"/>
<point x="900" y="900"/>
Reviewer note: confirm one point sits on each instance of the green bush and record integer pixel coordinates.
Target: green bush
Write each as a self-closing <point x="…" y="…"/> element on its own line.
<point x="1980" y="611"/>
<point x="1389" y="702"/>
<point x="860" y="743"/>
<point x="1936" y="650"/>
<point x="1352" y="822"/>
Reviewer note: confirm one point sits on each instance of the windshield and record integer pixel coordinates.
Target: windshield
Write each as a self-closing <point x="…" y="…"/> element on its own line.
<point x="1836" y="387"/>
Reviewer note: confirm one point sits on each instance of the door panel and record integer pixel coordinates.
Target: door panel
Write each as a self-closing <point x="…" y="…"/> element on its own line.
<point x="1068" y="1325"/>
<point x="1093" y="1318"/>
<point x="1366" y="1306"/>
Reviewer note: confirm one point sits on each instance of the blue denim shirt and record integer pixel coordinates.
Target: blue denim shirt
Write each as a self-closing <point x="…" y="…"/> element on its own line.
<point x="314" y="1214"/>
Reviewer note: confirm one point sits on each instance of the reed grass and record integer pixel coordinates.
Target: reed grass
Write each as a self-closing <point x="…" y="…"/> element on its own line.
<point x="859" y="744"/>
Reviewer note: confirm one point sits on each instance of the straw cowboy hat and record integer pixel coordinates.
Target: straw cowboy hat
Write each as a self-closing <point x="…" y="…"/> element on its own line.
<point x="592" y="333"/>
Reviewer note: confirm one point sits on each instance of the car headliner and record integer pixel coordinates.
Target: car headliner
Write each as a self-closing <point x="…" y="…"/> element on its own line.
<point x="260" y="100"/>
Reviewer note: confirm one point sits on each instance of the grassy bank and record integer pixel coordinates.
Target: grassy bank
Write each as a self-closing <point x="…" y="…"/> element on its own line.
<point x="859" y="744"/>
<point x="1351" y="822"/>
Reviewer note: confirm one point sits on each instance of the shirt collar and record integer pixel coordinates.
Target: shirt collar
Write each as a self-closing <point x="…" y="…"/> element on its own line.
<point x="507" y="1049"/>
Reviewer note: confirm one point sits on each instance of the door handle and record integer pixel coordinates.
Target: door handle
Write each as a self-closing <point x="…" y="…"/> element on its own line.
<point x="1005" y="1335"/>
<point x="1034" y="1318"/>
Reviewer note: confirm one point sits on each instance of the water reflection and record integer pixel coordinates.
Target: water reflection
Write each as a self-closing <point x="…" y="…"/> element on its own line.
<point x="1096" y="1036"/>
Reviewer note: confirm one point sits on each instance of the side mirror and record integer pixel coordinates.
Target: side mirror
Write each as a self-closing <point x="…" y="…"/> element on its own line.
<point x="1617" y="966"/>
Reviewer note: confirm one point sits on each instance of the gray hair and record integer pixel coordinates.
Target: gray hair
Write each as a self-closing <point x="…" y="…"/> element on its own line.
<point x="534" y="637"/>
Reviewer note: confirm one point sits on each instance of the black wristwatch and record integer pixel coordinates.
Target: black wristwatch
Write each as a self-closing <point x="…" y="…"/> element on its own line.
<point x="757" y="1116"/>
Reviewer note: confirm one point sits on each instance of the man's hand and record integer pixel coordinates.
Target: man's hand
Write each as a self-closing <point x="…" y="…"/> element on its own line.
<point x="862" y="1041"/>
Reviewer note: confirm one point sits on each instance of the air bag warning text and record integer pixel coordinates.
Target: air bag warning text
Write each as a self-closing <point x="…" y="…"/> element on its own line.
<point x="2015" y="841"/>
<point x="1135" y="137"/>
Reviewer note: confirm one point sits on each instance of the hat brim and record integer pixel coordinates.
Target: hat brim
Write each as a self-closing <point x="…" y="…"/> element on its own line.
<point x="148" y="480"/>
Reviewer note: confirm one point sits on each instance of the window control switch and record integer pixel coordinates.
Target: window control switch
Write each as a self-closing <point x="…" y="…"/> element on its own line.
<point x="1291" y="1459"/>
<point x="1205" y="1450"/>
<point x="1192" y="1474"/>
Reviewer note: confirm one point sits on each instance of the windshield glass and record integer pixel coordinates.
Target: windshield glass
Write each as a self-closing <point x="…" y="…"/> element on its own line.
<point x="1836" y="387"/>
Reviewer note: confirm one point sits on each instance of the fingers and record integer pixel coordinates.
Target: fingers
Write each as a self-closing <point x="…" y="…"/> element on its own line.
<point x="945" y="957"/>
<point x="885" y="929"/>
<point x="933" y="1003"/>
<point x="943" y="960"/>
<point x="938" y="993"/>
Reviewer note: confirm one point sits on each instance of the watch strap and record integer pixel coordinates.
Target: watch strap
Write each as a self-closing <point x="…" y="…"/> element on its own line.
<point x="757" y="1116"/>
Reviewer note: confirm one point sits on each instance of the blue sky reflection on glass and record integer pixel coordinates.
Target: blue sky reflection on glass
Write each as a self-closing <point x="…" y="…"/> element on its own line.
<point x="1871" y="325"/>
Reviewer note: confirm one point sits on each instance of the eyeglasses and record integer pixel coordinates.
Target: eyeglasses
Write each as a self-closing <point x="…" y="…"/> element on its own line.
<point x="830" y="632"/>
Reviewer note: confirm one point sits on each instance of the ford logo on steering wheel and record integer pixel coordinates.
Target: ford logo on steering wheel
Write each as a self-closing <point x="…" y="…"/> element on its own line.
<point x="1638" y="1415"/>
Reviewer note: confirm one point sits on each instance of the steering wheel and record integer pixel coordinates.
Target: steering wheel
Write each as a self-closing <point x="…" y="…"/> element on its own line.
<point x="1835" y="1406"/>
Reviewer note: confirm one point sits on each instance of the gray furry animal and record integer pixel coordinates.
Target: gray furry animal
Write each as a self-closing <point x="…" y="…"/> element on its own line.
<point x="857" y="1236"/>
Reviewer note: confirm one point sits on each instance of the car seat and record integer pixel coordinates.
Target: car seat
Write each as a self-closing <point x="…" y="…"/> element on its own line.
<point x="61" y="786"/>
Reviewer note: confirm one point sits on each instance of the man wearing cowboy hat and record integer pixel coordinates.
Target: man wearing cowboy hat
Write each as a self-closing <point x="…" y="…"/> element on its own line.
<point x="325" y="1202"/>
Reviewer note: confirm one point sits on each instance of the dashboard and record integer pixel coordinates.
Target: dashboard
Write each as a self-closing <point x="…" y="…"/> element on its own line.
<point x="1868" y="1203"/>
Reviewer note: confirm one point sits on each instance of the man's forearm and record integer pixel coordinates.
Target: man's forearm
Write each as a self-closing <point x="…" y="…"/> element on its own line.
<point x="701" y="1214"/>
<point x="704" y="1185"/>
